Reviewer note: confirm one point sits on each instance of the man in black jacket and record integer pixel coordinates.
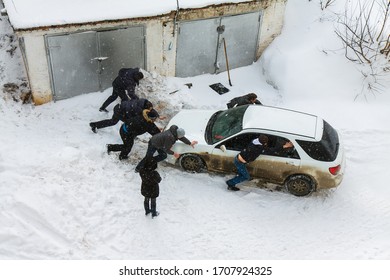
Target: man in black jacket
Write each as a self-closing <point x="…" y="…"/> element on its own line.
<point x="255" y="148"/>
<point x="250" y="98"/>
<point x="163" y="142"/>
<point x="124" y="86"/>
<point x="133" y="127"/>
<point x="150" y="188"/>
<point x="123" y="111"/>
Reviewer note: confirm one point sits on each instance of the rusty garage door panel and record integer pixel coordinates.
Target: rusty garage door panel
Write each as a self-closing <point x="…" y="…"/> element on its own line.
<point x="200" y="47"/>
<point x="89" y="61"/>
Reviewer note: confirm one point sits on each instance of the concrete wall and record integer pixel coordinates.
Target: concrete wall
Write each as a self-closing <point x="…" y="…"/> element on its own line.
<point x="271" y="25"/>
<point x="161" y="36"/>
<point x="37" y="68"/>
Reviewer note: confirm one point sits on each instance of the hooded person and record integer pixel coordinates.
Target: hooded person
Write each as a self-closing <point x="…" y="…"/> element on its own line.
<point x="150" y="188"/>
<point x="124" y="86"/>
<point x="163" y="142"/>
<point x="131" y="128"/>
<point x="125" y="110"/>
<point x="250" y="98"/>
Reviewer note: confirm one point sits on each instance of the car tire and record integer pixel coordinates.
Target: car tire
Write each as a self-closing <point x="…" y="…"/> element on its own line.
<point x="191" y="163"/>
<point x="300" y="185"/>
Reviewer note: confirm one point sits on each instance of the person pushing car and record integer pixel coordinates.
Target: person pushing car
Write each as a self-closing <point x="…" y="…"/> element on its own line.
<point x="254" y="149"/>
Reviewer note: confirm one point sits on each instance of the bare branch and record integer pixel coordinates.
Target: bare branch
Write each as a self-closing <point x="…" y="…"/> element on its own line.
<point x="361" y="29"/>
<point x="386" y="17"/>
<point x="326" y="3"/>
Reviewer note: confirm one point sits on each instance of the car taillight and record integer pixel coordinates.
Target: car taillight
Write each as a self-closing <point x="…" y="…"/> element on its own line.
<point x="335" y="170"/>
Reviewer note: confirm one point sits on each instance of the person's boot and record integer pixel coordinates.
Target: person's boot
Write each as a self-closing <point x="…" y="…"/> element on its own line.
<point x="109" y="150"/>
<point x="103" y="110"/>
<point x="146" y="207"/>
<point x="122" y="157"/>
<point x="155" y="214"/>
<point x="233" y="188"/>
<point x="93" y="127"/>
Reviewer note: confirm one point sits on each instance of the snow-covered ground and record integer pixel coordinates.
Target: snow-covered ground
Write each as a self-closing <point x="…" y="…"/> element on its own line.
<point x="62" y="196"/>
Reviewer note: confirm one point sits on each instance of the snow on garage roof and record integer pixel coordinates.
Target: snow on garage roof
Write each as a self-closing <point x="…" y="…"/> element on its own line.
<point x="24" y="14"/>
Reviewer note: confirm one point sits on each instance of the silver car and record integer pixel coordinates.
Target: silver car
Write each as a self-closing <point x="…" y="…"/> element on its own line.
<point x="317" y="160"/>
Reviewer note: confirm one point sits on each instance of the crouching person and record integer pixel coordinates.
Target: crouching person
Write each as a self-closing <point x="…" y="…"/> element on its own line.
<point x="133" y="127"/>
<point x="162" y="144"/>
<point x="150" y="186"/>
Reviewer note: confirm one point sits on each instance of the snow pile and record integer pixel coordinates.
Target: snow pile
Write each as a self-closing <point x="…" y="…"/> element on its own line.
<point x="63" y="197"/>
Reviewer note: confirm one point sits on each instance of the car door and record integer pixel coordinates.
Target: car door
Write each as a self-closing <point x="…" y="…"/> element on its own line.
<point x="222" y="156"/>
<point x="277" y="163"/>
<point x="274" y="166"/>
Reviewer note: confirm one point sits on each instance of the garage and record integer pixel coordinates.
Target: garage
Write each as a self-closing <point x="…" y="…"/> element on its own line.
<point x="67" y="54"/>
<point x="89" y="61"/>
<point x="201" y="44"/>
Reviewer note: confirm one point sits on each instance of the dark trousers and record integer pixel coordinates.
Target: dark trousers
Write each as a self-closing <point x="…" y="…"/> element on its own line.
<point x="149" y="153"/>
<point x="116" y="117"/>
<point x="115" y="93"/>
<point x="152" y="208"/>
<point x="242" y="173"/>
<point x="125" y="148"/>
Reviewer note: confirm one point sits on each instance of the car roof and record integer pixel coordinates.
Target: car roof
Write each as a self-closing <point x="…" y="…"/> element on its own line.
<point x="282" y="120"/>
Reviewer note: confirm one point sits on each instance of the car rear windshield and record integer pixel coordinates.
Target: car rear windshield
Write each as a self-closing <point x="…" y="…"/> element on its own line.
<point x="324" y="150"/>
<point x="224" y="124"/>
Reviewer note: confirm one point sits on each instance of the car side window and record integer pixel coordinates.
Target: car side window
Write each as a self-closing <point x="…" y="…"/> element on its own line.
<point x="275" y="145"/>
<point x="239" y="142"/>
<point x="275" y="148"/>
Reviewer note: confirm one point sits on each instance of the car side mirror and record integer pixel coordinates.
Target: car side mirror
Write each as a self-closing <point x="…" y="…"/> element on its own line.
<point x="223" y="148"/>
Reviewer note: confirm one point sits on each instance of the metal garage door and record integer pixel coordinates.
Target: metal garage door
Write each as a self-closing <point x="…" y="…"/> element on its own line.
<point x="89" y="61"/>
<point x="200" y="46"/>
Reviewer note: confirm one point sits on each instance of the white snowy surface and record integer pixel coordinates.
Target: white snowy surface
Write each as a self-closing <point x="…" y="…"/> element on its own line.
<point x="29" y="13"/>
<point x="63" y="197"/>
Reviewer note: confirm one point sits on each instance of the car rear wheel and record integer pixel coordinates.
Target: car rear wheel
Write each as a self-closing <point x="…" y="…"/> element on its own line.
<point x="191" y="163"/>
<point x="299" y="185"/>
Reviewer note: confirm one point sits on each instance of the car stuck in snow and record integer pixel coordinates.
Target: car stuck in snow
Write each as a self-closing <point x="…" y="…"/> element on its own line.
<point x="317" y="160"/>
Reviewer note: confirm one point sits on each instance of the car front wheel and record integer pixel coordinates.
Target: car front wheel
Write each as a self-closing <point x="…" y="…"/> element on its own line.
<point x="191" y="163"/>
<point x="299" y="185"/>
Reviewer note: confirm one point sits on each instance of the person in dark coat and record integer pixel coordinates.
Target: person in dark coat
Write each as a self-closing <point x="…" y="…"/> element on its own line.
<point x="250" y="98"/>
<point x="163" y="142"/>
<point x="125" y="110"/>
<point x="255" y="148"/>
<point x="150" y="186"/>
<point x="133" y="127"/>
<point x="124" y="86"/>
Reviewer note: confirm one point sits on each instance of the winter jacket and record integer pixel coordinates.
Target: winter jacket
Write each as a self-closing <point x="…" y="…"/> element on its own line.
<point x="125" y="81"/>
<point x="138" y="125"/>
<point x="166" y="139"/>
<point x="255" y="149"/>
<point x="241" y="100"/>
<point x="150" y="179"/>
<point x="252" y="151"/>
<point x="131" y="108"/>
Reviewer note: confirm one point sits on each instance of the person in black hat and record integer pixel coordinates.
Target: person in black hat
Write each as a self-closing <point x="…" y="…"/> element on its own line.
<point x="254" y="149"/>
<point x="124" y="86"/>
<point x="133" y="127"/>
<point x="150" y="186"/>
<point x="163" y="142"/>
<point x="250" y="98"/>
<point x="124" y="110"/>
